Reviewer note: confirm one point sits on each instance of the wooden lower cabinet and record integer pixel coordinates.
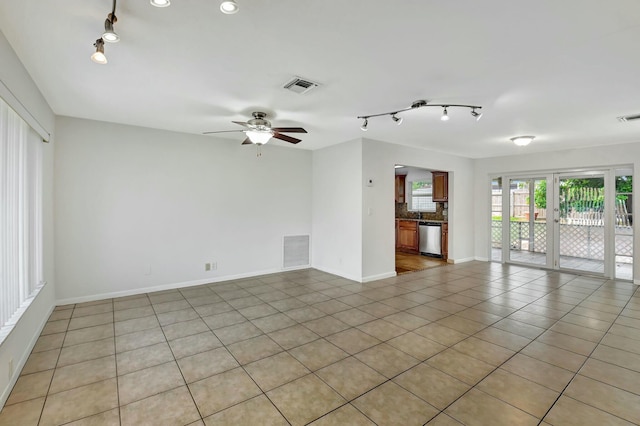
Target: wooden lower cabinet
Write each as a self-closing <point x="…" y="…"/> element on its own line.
<point x="445" y="241"/>
<point x="407" y="236"/>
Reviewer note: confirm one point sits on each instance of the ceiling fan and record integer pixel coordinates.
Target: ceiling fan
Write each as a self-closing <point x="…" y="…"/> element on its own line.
<point x="259" y="130"/>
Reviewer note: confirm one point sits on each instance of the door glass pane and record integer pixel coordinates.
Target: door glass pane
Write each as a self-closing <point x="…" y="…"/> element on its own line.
<point x="581" y="223"/>
<point x="623" y="225"/>
<point x="496" y="220"/>
<point x="527" y="221"/>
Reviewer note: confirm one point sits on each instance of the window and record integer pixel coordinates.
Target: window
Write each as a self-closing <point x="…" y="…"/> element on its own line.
<point x="20" y="216"/>
<point x="421" y="196"/>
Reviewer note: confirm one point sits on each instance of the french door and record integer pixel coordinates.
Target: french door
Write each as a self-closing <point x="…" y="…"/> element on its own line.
<point x="562" y="221"/>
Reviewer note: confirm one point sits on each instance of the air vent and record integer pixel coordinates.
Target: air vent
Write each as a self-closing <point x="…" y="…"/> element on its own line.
<point x="300" y="85"/>
<point x="296" y="251"/>
<point x="625" y="118"/>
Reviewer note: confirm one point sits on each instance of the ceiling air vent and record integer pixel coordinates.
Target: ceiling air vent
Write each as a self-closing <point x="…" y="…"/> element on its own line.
<point x="300" y="85"/>
<point x="625" y="118"/>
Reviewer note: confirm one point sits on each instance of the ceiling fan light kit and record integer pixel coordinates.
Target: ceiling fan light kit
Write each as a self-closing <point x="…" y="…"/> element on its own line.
<point x="421" y="104"/>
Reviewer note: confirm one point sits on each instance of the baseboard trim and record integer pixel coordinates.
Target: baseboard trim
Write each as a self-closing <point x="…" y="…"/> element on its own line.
<point x="338" y="273"/>
<point x="463" y="260"/>
<point x="378" y="277"/>
<point x="171" y="286"/>
<point x="481" y="259"/>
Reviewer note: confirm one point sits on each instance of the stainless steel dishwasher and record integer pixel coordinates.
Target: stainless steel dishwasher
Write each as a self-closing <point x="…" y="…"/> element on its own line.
<point x="430" y="238"/>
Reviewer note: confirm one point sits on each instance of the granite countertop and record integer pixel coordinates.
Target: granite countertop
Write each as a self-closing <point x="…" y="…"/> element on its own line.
<point x="422" y="220"/>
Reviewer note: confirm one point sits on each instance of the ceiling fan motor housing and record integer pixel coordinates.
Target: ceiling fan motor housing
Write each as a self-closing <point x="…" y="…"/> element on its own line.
<point x="259" y="122"/>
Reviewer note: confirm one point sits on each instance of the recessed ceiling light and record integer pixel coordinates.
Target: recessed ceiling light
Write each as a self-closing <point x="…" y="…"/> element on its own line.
<point x="160" y="3"/>
<point x="523" y="140"/>
<point x="229" y="7"/>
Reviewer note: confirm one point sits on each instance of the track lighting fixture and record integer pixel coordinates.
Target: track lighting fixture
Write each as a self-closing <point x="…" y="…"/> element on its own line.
<point x="421" y="104"/>
<point x="229" y="7"/>
<point x="397" y="120"/>
<point x="160" y="3"/>
<point x="98" y="56"/>
<point x="522" y="140"/>
<point x="109" y="34"/>
<point x="476" y="114"/>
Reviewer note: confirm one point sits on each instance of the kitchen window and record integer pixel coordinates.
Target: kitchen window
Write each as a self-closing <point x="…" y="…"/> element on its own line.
<point x="422" y="196"/>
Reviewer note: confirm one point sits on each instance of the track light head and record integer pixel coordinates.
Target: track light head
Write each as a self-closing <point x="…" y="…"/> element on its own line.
<point x="445" y="115"/>
<point x="397" y="120"/>
<point x="98" y="56"/>
<point x="109" y="34"/>
<point x="476" y="114"/>
<point x="229" y="7"/>
<point x="364" y="125"/>
<point x="160" y="3"/>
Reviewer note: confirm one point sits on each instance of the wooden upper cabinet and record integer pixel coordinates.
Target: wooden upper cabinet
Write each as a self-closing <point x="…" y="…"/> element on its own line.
<point x="440" y="186"/>
<point x="400" y="184"/>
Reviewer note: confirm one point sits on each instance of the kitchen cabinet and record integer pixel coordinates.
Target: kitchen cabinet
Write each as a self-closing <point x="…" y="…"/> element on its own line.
<point x="445" y="241"/>
<point x="400" y="190"/>
<point x="440" y="186"/>
<point x="407" y="236"/>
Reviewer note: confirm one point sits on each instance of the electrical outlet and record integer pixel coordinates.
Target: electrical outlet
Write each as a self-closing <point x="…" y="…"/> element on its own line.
<point x="214" y="266"/>
<point x="10" y="368"/>
<point x="207" y="266"/>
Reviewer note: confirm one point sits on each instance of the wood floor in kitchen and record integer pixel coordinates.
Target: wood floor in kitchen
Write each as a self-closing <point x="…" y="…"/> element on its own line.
<point x="406" y="262"/>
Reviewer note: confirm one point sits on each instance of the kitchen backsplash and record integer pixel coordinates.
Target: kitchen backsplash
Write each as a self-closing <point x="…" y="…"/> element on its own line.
<point x="403" y="213"/>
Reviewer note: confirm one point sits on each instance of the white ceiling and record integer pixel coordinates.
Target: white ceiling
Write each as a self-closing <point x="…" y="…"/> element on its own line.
<point x="560" y="70"/>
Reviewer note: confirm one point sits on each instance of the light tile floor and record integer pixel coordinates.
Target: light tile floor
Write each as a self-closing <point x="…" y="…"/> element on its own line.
<point x="473" y="343"/>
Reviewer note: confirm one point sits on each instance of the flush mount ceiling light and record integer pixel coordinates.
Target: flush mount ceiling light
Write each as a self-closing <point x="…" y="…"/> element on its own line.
<point x="259" y="137"/>
<point x="522" y="140"/>
<point x="421" y="104"/>
<point x="98" y="56"/>
<point x="160" y="3"/>
<point x="229" y="7"/>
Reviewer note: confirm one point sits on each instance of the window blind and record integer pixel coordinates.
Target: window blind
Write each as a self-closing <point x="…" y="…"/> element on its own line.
<point x="20" y="216"/>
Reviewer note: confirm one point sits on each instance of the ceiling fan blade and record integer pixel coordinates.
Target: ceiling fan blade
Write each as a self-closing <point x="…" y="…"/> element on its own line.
<point x="285" y="138"/>
<point x="223" y="131"/>
<point x="247" y="141"/>
<point x="241" y="123"/>
<point x="289" y="129"/>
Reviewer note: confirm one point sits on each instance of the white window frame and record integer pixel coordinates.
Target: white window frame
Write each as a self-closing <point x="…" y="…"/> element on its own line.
<point x="428" y="195"/>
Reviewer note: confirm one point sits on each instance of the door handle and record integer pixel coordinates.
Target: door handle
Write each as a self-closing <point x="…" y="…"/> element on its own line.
<point x="556" y="220"/>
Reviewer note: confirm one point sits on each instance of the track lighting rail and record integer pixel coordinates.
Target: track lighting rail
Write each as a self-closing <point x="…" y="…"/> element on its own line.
<point x="420" y="104"/>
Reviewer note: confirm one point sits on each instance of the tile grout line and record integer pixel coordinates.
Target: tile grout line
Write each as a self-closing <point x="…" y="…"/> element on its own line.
<point x="587" y="359"/>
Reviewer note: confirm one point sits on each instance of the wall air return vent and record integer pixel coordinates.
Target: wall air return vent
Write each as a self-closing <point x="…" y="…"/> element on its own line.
<point x="300" y="85"/>
<point x="625" y="118"/>
<point x="296" y="252"/>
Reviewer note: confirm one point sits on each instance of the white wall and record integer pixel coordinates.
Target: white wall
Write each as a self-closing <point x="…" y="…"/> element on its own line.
<point x="337" y="209"/>
<point x="616" y="155"/>
<point x="378" y="242"/>
<point x="138" y="208"/>
<point x="19" y="343"/>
